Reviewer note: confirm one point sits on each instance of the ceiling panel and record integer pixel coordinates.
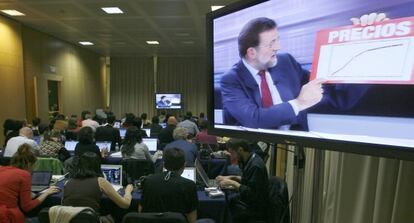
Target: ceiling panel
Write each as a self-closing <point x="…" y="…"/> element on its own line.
<point x="179" y="25"/>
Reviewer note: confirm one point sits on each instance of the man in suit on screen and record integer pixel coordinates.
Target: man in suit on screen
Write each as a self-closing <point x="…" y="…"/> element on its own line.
<point x="266" y="90"/>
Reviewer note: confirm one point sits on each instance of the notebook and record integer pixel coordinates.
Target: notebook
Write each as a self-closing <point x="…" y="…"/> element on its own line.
<point x="40" y="180"/>
<point x="200" y="170"/>
<point x="113" y="174"/>
<point x="151" y="143"/>
<point x="70" y="145"/>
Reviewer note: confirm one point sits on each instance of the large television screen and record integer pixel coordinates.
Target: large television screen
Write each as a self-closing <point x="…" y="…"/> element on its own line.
<point x="167" y="101"/>
<point x="313" y="77"/>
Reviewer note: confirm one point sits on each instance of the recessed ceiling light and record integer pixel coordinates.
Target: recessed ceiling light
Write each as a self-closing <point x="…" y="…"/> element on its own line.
<point x="13" y="12"/>
<point x="86" y="43"/>
<point x="112" y="10"/>
<point x="152" y="42"/>
<point x="215" y="7"/>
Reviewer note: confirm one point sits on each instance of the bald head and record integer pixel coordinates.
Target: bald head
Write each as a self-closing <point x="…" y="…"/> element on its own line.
<point x="26" y="131"/>
<point x="172" y="120"/>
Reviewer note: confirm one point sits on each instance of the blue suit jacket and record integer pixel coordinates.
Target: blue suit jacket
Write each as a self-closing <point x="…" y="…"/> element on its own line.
<point x="242" y="104"/>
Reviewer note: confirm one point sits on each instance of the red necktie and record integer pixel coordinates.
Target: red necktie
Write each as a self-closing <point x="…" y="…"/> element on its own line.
<point x="265" y="90"/>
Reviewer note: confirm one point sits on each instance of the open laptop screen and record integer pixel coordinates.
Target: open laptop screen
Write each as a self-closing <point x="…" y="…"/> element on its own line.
<point x="70" y="145"/>
<point x="201" y="171"/>
<point x="151" y="143"/>
<point x="41" y="178"/>
<point x="104" y="145"/>
<point x="122" y="133"/>
<point x="189" y="173"/>
<point x="112" y="173"/>
<point x="148" y="131"/>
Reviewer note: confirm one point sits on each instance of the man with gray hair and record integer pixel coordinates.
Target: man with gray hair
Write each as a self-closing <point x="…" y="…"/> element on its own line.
<point x="180" y="141"/>
<point x="25" y="137"/>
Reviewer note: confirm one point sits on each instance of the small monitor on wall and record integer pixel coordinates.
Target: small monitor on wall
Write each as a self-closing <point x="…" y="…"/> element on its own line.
<point x="168" y="101"/>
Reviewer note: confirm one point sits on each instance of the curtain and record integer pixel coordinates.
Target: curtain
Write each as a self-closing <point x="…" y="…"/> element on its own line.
<point x="132" y="86"/>
<point x="185" y="75"/>
<point x="366" y="189"/>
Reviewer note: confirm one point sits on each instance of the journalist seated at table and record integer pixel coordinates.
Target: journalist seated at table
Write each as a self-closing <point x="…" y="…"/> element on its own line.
<point x="25" y="136"/>
<point x="248" y="193"/>
<point x="180" y="141"/>
<point x="168" y="191"/>
<point x="52" y="146"/>
<point x="86" y="142"/>
<point x="134" y="148"/>
<point x="86" y="185"/>
<point x="15" y="187"/>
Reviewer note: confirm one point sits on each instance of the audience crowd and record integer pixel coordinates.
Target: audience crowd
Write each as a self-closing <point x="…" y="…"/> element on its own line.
<point x="180" y="140"/>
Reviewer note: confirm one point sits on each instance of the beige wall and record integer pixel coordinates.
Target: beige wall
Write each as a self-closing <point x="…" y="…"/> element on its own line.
<point x="28" y="59"/>
<point x="12" y="99"/>
<point x="79" y="71"/>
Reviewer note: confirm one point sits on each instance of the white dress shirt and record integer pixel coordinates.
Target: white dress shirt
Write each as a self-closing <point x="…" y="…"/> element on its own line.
<point x="14" y="143"/>
<point x="273" y="90"/>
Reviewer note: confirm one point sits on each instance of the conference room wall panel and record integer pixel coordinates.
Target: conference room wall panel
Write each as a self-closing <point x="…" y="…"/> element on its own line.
<point x="78" y="71"/>
<point x="12" y="92"/>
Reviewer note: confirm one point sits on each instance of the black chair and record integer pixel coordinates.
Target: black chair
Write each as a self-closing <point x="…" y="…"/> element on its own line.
<point x="278" y="201"/>
<point x="86" y="216"/>
<point x="5" y="161"/>
<point x="166" y="217"/>
<point x="134" y="169"/>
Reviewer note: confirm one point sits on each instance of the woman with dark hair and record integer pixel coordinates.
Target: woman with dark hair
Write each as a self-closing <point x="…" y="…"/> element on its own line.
<point x="138" y="123"/>
<point x="129" y="120"/>
<point x="86" y="185"/>
<point x="86" y="142"/>
<point x="15" y="187"/>
<point x="146" y="123"/>
<point x="11" y="129"/>
<point x="133" y="147"/>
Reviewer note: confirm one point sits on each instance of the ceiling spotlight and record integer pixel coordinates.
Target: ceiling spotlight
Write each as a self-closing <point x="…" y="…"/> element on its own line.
<point x="86" y="43"/>
<point x="152" y="42"/>
<point x="13" y="12"/>
<point x="215" y="7"/>
<point x="112" y="10"/>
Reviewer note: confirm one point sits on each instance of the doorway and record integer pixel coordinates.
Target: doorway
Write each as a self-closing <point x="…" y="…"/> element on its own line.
<point x="53" y="88"/>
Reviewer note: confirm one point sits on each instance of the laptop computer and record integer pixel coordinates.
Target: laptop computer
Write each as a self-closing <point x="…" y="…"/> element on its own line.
<point x="104" y="145"/>
<point x="113" y="174"/>
<point x="188" y="173"/>
<point x="40" y="180"/>
<point x="200" y="170"/>
<point x="70" y="145"/>
<point x="37" y="139"/>
<point x="151" y="143"/>
<point x="148" y="131"/>
<point x="122" y="132"/>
